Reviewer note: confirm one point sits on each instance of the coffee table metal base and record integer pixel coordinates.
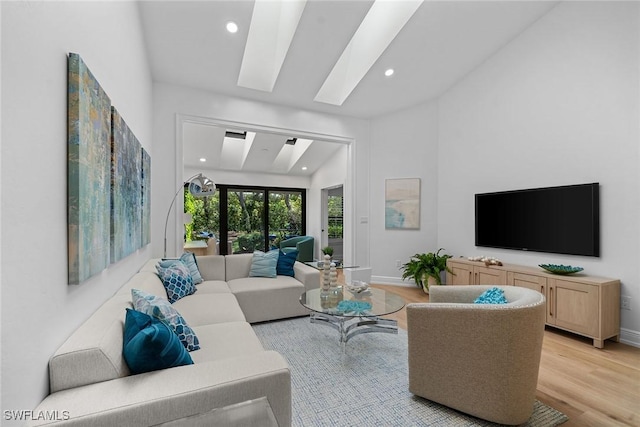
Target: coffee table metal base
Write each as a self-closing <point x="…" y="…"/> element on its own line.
<point x="349" y="327"/>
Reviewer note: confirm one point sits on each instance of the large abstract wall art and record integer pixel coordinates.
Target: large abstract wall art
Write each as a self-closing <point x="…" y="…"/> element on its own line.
<point x="402" y="203"/>
<point x="126" y="189"/>
<point x="146" y="198"/>
<point x="89" y="153"/>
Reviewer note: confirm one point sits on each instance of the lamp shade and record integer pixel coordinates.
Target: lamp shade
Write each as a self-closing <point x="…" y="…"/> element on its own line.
<point x="201" y="186"/>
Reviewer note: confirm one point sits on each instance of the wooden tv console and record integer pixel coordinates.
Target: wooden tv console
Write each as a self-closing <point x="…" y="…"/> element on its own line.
<point x="577" y="303"/>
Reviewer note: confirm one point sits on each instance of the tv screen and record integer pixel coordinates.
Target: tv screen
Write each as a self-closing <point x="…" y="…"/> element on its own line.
<point x="563" y="220"/>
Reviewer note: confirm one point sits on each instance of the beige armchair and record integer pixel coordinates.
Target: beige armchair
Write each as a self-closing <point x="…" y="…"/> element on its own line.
<point x="480" y="359"/>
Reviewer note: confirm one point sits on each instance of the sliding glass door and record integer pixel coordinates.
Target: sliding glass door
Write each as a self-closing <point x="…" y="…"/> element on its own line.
<point x="248" y="218"/>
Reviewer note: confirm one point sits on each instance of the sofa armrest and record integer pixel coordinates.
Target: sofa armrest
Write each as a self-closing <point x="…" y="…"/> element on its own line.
<point x="307" y="275"/>
<point x="176" y="393"/>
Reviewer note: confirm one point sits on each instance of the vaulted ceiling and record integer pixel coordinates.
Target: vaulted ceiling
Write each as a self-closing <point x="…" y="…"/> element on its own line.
<point x="432" y="45"/>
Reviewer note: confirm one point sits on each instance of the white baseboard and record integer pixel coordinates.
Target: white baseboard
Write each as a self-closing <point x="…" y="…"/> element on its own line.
<point x="630" y="337"/>
<point x="395" y="281"/>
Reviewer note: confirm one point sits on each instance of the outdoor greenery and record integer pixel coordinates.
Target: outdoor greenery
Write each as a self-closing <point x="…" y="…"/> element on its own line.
<point x="335" y="216"/>
<point x="245" y="217"/>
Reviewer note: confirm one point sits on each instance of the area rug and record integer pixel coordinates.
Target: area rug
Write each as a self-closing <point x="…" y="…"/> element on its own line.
<point x="366" y="385"/>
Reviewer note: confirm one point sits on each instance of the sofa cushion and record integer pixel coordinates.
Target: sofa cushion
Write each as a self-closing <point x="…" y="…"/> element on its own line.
<point x="268" y="299"/>
<point x="285" y="263"/>
<point x="224" y="340"/>
<point x="162" y="310"/>
<point x="207" y="309"/>
<point x="147" y="281"/>
<point x="150" y="345"/>
<point x="212" y="267"/>
<point x="213" y="287"/>
<point x="177" y="281"/>
<point x="264" y="264"/>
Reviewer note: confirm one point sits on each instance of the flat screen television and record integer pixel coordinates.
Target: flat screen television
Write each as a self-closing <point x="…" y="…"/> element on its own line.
<point x="563" y="220"/>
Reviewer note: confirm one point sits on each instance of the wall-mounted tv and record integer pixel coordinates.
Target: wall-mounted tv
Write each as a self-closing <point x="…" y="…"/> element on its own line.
<point x="563" y="220"/>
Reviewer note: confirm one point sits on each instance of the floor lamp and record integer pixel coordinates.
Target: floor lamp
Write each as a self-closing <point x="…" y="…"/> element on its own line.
<point x="198" y="186"/>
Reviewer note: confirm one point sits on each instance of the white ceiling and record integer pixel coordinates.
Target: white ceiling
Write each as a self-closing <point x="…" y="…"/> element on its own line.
<point x="443" y="41"/>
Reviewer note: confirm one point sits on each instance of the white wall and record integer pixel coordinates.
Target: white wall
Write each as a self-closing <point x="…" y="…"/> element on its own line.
<point x="170" y="101"/>
<point x="559" y="105"/>
<point x="404" y="145"/>
<point x="39" y="309"/>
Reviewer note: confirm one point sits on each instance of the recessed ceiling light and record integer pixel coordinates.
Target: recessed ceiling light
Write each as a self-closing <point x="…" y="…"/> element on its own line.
<point x="389" y="72"/>
<point x="202" y="159"/>
<point x="232" y="27"/>
<point x="304" y="168"/>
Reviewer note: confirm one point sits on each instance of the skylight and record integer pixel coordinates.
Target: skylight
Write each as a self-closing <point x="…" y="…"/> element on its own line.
<point x="383" y="22"/>
<point x="273" y="25"/>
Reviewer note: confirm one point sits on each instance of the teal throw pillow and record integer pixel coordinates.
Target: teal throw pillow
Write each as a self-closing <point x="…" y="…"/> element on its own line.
<point x="264" y="264"/>
<point x="162" y="310"/>
<point x="176" y="280"/>
<point x="284" y="267"/>
<point x="150" y="345"/>
<point x="491" y="296"/>
<point x="189" y="260"/>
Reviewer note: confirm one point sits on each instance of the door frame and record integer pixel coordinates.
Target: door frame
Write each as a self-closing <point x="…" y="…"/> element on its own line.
<point x="349" y="232"/>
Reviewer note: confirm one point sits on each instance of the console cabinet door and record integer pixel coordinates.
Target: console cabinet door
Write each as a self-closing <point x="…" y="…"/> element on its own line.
<point x="489" y="276"/>
<point x="573" y="306"/>
<point x="531" y="281"/>
<point x="462" y="274"/>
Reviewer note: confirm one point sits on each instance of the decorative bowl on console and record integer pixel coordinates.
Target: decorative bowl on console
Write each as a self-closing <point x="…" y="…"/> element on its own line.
<point x="561" y="269"/>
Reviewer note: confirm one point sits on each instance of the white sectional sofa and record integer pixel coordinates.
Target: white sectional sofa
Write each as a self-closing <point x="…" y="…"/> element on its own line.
<point x="90" y="382"/>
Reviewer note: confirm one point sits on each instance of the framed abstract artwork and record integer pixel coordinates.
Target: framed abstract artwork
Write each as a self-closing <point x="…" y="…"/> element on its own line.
<point x="402" y="203"/>
<point x="126" y="189"/>
<point x="146" y="198"/>
<point x="89" y="173"/>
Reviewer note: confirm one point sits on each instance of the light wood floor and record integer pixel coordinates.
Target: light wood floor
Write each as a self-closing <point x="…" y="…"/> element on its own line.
<point x="592" y="387"/>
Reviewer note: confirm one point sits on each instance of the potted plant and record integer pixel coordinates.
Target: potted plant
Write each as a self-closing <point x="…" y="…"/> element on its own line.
<point x="328" y="250"/>
<point x="425" y="269"/>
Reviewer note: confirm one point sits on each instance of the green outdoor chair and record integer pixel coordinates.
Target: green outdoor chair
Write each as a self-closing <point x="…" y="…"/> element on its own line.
<point x="304" y="245"/>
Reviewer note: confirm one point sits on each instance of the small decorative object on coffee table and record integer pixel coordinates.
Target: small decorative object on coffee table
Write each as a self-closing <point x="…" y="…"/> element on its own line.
<point x="326" y="281"/>
<point x="561" y="269"/>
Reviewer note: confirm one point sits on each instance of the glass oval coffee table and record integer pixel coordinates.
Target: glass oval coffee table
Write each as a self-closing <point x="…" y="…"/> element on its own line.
<point x="353" y="313"/>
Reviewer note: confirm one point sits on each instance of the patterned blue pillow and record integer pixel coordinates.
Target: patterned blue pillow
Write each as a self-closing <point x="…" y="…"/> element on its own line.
<point x="150" y="345"/>
<point x="491" y="296"/>
<point x="162" y="310"/>
<point x="284" y="267"/>
<point x="189" y="260"/>
<point x="176" y="280"/>
<point x="264" y="264"/>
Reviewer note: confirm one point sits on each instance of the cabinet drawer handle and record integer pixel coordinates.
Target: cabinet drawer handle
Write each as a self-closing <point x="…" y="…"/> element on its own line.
<point x="551" y="301"/>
